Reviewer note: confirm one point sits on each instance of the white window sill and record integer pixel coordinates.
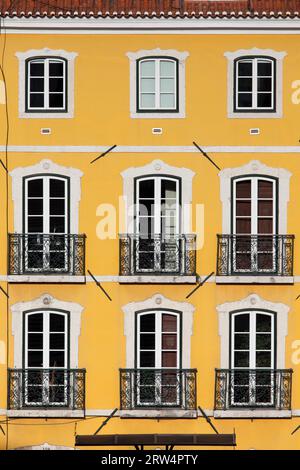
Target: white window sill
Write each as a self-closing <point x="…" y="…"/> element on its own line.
<point x="46" y="279"/>
<point x="46" y="115"/>
<point x="57" y="413"/>
<point x="254" y="279"/>
<point x="253" y="414"/>
<point x="160" y="413"/>
<point x="158" y="115"/>
<point x="254" y="115"/>
<point x="157" y="279"/>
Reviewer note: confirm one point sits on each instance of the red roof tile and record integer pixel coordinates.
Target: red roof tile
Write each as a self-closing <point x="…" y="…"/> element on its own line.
<point x="151" y="8"/>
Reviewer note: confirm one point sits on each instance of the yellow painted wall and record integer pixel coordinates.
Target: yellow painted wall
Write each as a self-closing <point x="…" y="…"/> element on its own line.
<point x="102" y="118"/>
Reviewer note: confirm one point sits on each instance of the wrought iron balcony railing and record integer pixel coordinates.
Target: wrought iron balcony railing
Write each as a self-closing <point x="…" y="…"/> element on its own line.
<point x="255" y="254"/>
<point x="253" y="388"/>
<point x="46" y="388"/>
<point x="158" y="255"/>
<point x="38" y="253"/>
<point x="158" y="388"/>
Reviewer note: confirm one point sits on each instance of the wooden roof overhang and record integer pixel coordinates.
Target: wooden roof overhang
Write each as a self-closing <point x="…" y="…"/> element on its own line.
<point x="168" y="440"/>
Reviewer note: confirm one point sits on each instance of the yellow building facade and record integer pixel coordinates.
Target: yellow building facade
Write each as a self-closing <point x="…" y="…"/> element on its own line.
<point x="192" y="246"/>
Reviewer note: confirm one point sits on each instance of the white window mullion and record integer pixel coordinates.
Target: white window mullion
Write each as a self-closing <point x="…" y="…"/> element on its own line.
<point x="46" y="84"/>
<point x="252" y="339"/>
<point x="158" y="338"/>
<point x="157" y="84"/>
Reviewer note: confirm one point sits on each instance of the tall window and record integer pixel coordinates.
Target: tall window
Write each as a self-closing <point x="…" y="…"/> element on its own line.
<point x="157" y="353"/>
<point x="157" y="84"/>
<point x="252" y="357"/>
<point x="255" y="84"/>
<point x="46" y="356"/>
<point x="157" y="224"/>
<point x="254" y="223"/>
<point x="46" y="84"/>
<point x="46" y="221"/>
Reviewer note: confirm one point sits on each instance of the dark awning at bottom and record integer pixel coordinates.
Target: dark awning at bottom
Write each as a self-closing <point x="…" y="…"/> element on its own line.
<point x="156" y="439"/>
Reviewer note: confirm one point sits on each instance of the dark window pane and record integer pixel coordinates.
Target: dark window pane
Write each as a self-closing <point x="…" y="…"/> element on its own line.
<point x="169" y="323"/>
<point x="243" y="225"/>
<point x="265" y="225"/>
<point x="57" y="341"/>
<point x="57" y="84"/>
<point x="265" y="261"/>
<point x="168" y="189"/>
<point x="245" y="84"/>
<point x="35" y="358"/>
<point x="263" y="323"/>
<point x="57" y="206"/>
<point x="263" y="341"/>
<point x="35" y="322"/>
<point x="264" y="69"/>
<point x="147" y="394"/>
<point x="57" y="188"/>
<point x="265" y="189"/>
<point x="146" y="226"/>
<point x="36" y="69"/>
<point x="263" y="395"/>
<point x="35" y="341"/>
<point x="57" y="225"/>
<point x="56" y="69"/>
<point x="241" y="395"/>
<point x="146" y="189"/>
<point x="57" y="359"/>
<point x="35" y="224"/>
<point x="241" y="359"/>
<point x="147" y="322"/>
<point x="244" y="100"/>
<point x="243" y="261"/>
<point x="35" y="206"/>
<point x="241" y="322"/>
<point x="243" y="208"/>
<point x="264" y="84"/>
<point x="169" y="359"/>
<point x="57" y="322"/>
<point x="36" y="100"/>
<point x="263" y="359"/>
<point x="37" y="84"/>
<point x="147" y="359"/>
<point x="34" y="260"/>
<point x="35" y="188"/>
<point x="245" y="68"/>
<point x="169" y="341"/>
<point x="241" y="341"/>
<point x="243" y="189"/>
<point x="34" y="394"/>
<point x="56" y="100"/>
<point x="265" y="208"/>
<point x="264" y="100"/>
<point x="147" y="341"/>
<point x="146" y="207"/>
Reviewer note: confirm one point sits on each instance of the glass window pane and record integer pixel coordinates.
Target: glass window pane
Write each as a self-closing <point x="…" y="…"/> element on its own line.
<point x="167" y="68"/>
<point x="36" y="100"/>
<point x="245" y="68"/>
<point x="241" y="322"/>
<point x="169" y="323"/>
<point x="245" y="84"/>
<point x="168" y="189"/>
<point x="243" y="226"/>
<point x="147" y="68"/>
<point x="264" y="84"/>
<point x="169" y="341"/>
<point x="263" y="341"/>
<point x="147" y="359"/>
<point x="35" y="341"/>
<point x="167" y="101"/>
<point x="57" y="359"/>
<point x="265" y="189"/>
<point x="169" y="359"/>
<point x="35" y="206"/>
<point x="35" y="188"/>
<point x="241" y="341"/>
<point x="36" y="84"/>
<point x="57" y="225"/>
<point x="56" y="100"/>
<point x="264" y="68"/>
<point x="36" y="69"/>
<point x="57" y="206"/>
<point x="265" y="208"/>
<point x="35" y="359"/>
<point x="264" y="100"/>
<point x="56" y="68"/>
<point x="147" y="322"/>
<point x="244" y="100"/>
<point x="147" y="341"/>
<point x="57" y="322"/>
<point x="243" y="208"/>
<point x="56" y="84"/>
<point x="147" y="85"/>
<point x="147" y="101"/>
<point x="57" y="341"/>
<point x="265" y="226"/>
<point x="35" y="224"/>
<point x="146" y="188"/>
<point x="263" y="359"/>
<point x="263" y="323"/>
<point x="57" y="188"/>
<point x="241" y="359"/>
<point x="243" y="189"/>
<point x="146" y="207"/>
<point x="167" y="85"/>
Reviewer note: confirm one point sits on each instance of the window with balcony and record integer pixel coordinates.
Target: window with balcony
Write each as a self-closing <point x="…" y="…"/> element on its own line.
<point x="255" y="377"/>
<point x="47" y="378"/>
<point x="46" y="245"/>
<point x="255" y="246"/>
<point x="158" y="381"/>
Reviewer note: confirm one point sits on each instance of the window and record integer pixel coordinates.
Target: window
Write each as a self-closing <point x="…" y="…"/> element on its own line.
<point x="46" y="357"/>
<point x="46" y="84"/>
<point x="157" y="84"/>
<point x="255" y="84"/>
<point x="253" y="355"/>
<point x="158" y="343"/>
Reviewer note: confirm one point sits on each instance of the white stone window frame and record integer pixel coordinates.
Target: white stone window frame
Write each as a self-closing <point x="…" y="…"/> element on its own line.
<point x="69" y="57"/>
<point x="255" y="52"/>
<point x="46" y="301"/>
<point x="134" y="57"/>
<point x="46" y="167"/>
<point x="158" y="302"/>
<point x="252" y="302"/>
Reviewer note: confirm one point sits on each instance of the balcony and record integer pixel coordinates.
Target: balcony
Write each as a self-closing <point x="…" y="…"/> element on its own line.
<point x="158" y="259"/>
<point x="46" y="257"/>
<point x="253" y="393"/>
<point x="256" y="259"/>
<point x="46" y="392"/>
<point x="158" y="393"/>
